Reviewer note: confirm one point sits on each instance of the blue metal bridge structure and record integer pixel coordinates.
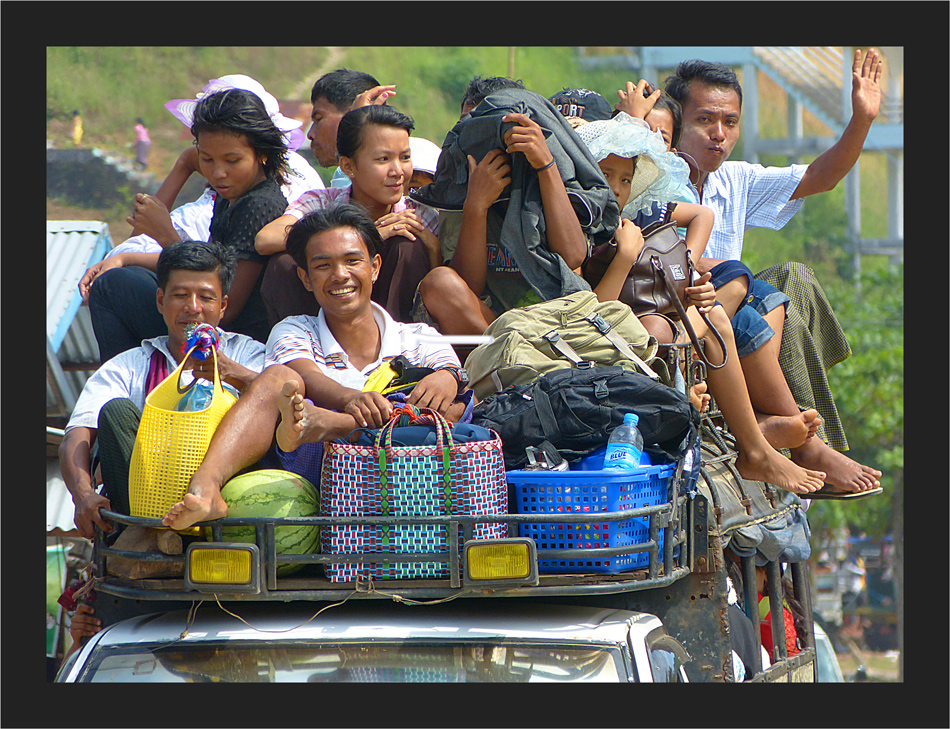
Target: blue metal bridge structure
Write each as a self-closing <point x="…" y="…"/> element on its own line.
<point x="816" y="78"/>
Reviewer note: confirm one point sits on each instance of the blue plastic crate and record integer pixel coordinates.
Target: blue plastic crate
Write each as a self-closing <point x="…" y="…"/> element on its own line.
<point x="591" y="492"/>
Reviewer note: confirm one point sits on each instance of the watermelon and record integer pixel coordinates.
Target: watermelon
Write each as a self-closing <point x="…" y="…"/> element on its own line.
<point x="272" y="492"/>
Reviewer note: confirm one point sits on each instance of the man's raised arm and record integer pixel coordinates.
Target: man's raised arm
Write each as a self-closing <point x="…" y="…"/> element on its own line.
<point x="831" y="166"/>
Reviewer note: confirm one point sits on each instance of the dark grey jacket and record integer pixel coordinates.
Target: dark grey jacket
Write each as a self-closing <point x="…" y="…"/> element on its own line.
<point x="522" y="229"/>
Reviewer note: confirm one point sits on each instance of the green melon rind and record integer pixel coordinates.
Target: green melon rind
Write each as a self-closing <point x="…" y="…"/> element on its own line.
<point x="250" y="495"/>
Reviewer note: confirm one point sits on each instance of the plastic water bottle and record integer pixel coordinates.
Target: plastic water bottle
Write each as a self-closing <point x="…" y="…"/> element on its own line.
<point x="197" y="398"/>
<point x="625" y="445"/>
<point x="201" y="394"/>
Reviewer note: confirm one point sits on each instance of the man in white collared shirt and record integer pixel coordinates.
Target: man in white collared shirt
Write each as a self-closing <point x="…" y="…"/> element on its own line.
<point x="327" y="359"/>
<point x="745" y="195"/>
<point x="310" y="338"/>
<point x="193" y="280"/>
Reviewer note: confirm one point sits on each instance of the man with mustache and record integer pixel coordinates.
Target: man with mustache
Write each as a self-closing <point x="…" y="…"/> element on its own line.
<point x="747" y="195"/>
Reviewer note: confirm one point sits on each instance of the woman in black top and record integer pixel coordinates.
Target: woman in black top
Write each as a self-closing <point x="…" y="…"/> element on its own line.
<point x="243" y="155"/>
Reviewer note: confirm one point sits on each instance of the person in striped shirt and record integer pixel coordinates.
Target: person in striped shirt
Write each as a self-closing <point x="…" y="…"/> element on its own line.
<point x="311" y="390"/>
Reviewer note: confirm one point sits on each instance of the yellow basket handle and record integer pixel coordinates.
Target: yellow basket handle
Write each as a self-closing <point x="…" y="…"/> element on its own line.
<point x="181" y="370"/>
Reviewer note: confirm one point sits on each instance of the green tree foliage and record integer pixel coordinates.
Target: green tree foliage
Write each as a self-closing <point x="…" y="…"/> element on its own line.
<point x="869" y="391"/>
<point x="817" y="235"/>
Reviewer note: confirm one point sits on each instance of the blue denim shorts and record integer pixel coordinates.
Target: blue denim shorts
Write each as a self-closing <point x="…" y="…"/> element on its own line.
<point x="750" y="329"/>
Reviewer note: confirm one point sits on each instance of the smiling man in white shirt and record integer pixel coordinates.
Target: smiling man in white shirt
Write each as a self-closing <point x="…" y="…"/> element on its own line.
<point x="193" y="280"/>
<point x="326" y="359"/>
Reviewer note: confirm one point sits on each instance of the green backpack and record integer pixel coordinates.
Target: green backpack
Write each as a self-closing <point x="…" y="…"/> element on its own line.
<point x="574" y="330"/>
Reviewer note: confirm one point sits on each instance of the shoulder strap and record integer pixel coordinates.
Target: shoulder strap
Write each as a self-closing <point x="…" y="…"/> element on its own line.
<point x="621" y="344"/>
<point x="602" y="326"/>
<point x="674" y="297"/>
<point x="668" y="215"/>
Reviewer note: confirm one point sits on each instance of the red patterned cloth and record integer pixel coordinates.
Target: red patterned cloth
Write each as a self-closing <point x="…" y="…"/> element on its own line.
<point x="765" y="625"/>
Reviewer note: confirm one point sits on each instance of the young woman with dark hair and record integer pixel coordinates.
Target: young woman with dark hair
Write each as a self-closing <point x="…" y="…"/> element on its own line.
<point x="374" y="152"/>
<point x="243" y="155"/>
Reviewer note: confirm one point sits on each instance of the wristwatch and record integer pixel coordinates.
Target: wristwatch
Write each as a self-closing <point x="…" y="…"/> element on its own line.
<point x="461" y="377"/>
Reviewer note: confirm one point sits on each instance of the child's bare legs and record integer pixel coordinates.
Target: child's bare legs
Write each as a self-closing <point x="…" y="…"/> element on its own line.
<point x="778" y="415"/>
<point x="771" y="397"/>
<point x="731" y="294"/>
<point x="660" y="329"/>
<point x="453" y="304"/>
<point x="757" y="460"/>
<point x="768" y="389"/>
<point x="781" y="431"/>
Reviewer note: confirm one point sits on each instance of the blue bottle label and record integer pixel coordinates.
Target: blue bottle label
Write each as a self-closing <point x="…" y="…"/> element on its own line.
<point x="621" y="456"/>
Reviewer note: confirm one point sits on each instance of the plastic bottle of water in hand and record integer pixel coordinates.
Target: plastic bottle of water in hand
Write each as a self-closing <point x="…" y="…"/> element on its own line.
<point x="625" y="445"/>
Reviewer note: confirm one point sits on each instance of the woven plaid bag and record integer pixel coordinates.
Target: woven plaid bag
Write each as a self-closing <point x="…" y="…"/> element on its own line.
<point x="383" y="479"/>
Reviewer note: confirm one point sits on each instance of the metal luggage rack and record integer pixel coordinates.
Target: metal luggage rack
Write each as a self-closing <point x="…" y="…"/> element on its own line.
<point x="679" y="516"/>
<point x="673" y="516"/>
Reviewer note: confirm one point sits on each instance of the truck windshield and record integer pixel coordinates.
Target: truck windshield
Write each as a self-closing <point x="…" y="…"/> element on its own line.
<point x="401" y="662"/>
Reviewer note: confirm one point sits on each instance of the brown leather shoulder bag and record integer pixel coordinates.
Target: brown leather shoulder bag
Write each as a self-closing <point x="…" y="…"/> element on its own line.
<point x="658" y="280"/>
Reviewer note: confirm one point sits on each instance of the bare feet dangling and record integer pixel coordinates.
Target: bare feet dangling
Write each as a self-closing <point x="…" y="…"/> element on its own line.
<point x="770" y="466"/>
<point x="843" y="473"/>
<point x="289" y="429"/>
<point x="789" y="431"/>
<point x="303" y="422"/>
<point x="200" y="503"/>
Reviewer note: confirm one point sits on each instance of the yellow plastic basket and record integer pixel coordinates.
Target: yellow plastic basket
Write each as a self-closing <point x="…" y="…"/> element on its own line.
<point x="170" y="445"/>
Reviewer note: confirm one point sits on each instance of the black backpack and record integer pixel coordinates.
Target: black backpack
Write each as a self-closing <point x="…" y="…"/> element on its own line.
<point x="577" y="408"/>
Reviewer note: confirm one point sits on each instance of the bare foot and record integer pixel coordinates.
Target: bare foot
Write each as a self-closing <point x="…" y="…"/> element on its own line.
<point x="789" y="431"/>
<point x="303" y="422"/>
<point x="772" y="467"/>
<point x="198" y="504"/>
<point x="844" y="473"/>
<point x="289" y="429"/>
<point x="699" y="397"/>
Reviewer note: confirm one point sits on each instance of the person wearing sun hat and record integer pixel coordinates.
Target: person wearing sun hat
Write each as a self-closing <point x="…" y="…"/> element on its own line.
<point x="192" y="220"/>
<point x="659" y="175"/>
<point x="642" y="174"/>
<point x="183" y="109"/>
<point x="425" y="159"/>
<point x="301" y="175"/>
<point x="644" y="178"/>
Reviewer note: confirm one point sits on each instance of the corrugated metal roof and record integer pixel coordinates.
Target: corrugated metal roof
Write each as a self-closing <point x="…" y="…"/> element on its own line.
<point x="79" y="346"/>
<point x="59" y="502"/>
<point x="71" y="247"/>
